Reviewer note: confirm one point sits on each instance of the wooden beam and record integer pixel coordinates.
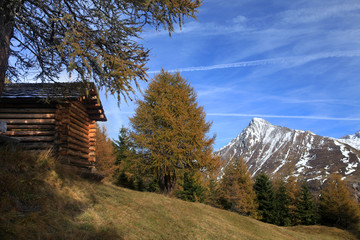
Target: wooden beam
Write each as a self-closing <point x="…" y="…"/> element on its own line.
<point x="77" y="128"/>
<point x="30" y="133"/>
<point x="74" y="115"/>
<point x="78" y="137"/>
<point x="100" y="118"/>
<point x="93" y="106"/>
<point x="26" y="116"/>
<point x="77" y="142"/>
<point x="36" y="138"/>
<point x="78" y="154"/>
<point x="28" y="126"/>
<point x="78" y="148"/>
<point x="94" y="111"/>
<point x="27" y="110"/>
<point x="25" y="104"/>
<point x="92" y="128"/>
<point x="80" y="108"/>
<point x="29" y="121"/>
<point x="80" y="133"/>
<point x="81" y="124"/>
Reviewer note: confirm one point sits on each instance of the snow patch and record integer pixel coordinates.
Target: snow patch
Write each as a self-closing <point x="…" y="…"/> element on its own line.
<point x="351" y="167"/>
<point x="319" y="178"/>
<point x="304" y="162"/>
<point x="345" y="152"/>
<point x="280" y="166"/>
<point x="355" y="143"/>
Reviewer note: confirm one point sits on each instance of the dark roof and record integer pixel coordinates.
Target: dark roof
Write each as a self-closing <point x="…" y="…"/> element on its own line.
<point x="84" y="92"/>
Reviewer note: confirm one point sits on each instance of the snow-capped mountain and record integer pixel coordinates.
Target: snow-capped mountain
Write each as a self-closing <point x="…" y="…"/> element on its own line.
<point x="352" y="140"/>
<point x="281" y="152"/>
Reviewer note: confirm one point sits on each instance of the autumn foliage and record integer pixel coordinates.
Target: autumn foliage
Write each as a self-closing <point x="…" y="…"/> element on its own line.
<point x="169" y="129"/>
<point x="236" y="190"/>
<point x="105" y="157"/>
<point x="337" y="207"/>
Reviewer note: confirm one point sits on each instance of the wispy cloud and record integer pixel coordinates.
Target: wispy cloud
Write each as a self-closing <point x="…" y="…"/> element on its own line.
<point x="215" y="91"/>
<point x="307" y="15"/>
<point x="294" y="60"/>
<point x="306" y="99"/>
<point x="284" y="116"/>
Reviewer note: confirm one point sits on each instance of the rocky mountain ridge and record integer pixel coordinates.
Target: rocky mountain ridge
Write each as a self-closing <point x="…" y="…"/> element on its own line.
<point x="352" y="140"/>
<point x="281" y="152"/>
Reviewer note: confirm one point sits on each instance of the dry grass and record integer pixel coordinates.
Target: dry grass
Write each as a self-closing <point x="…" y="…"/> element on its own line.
<point x="41" y="200"/>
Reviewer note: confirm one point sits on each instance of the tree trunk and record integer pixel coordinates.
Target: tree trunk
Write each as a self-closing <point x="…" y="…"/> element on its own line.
<point x="167" y="183"/>
<point x="7" y="22"/>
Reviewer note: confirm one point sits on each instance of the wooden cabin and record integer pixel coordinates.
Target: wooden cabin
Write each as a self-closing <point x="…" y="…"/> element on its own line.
<point x="61" y="116"/>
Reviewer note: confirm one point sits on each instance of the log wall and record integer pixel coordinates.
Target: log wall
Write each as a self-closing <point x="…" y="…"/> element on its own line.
<point x="74" y="140"/>
<point x="33" y="124"/>
<point x="66" y="127"/>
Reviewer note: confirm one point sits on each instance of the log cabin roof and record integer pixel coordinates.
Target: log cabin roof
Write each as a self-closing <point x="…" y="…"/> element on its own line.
<point x="84" y="92"/>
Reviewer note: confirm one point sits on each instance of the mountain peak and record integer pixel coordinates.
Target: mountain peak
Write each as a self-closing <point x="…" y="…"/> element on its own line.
<point x="256" y="120"/>
<point x="258" y="125"/>
<point x="352" y="140"/>
<point x="353" y="137"/>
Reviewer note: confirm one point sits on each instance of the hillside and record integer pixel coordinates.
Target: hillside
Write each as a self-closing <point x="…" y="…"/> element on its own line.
<point x="42" y="200"/>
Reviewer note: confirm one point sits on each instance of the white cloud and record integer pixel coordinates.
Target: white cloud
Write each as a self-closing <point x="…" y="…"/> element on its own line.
<point x="307" y="99"/>
<point x="240" y="19"/>
<point x="211" y="91"/>
<point x="307" y="15"/>
<point x="292" y="61"/>
<point x="283" y="116"/>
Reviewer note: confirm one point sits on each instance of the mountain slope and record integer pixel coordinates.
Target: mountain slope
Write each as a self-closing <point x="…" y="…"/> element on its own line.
<point x="280" y="151"/>
<point x="352" y="140"/>
<point x="42" y="200"/>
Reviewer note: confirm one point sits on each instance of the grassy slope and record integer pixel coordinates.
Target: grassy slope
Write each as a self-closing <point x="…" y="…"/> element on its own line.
<point x="40" y="200"/>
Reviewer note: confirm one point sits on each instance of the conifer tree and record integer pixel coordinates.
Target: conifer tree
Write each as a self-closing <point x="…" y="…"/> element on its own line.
<point x="306" y="209"/>
<point x="170" y="131"/>
<point x="127" y="173"/>
<point x="336" y="206"/>
<point x="237" y="193"/>
<point x="123" y="146"/>
<point x="124" y="180"/>
<point x="192" y="190"/>
<point x="265" y="198"/>
<point x="282" y="201"/>
<point x="213" y="192"/>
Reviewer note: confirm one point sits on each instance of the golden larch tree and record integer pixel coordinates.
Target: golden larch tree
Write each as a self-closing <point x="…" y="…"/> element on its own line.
<point x="170" y="130"/>
<point x="292" y="187"/>
<point x="236" y="189"/>
<point x="96" y="41"/>
<point x="336" y="206"/>
<point x="105" y="157"/>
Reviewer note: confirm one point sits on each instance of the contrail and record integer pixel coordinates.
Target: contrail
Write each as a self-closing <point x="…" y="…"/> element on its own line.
<point x="295" y="60"/>
<point x="273" y="116"/>
<point x="283" y="116"/>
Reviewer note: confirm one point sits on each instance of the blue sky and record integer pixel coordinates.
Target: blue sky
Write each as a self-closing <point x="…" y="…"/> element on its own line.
<point x="293" y="63"/>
